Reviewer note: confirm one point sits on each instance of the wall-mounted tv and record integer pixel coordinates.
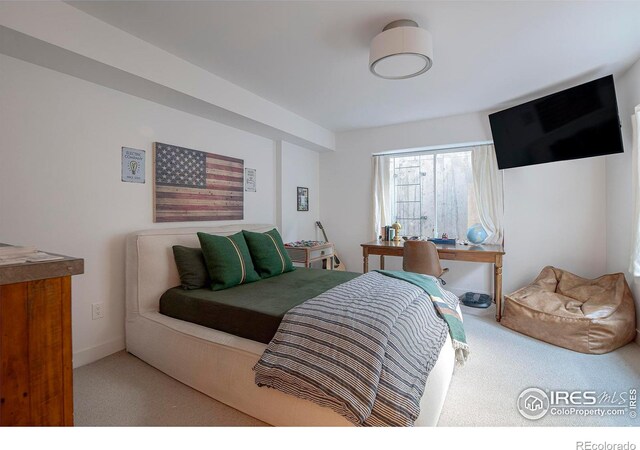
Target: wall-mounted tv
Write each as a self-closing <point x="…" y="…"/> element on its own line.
<point x="579" y="122"/>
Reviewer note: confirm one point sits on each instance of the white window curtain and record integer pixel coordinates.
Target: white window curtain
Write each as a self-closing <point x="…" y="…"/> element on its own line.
<point x="381" y="206"/>
<point x="634" y="266"/>
<point x="487" y="181"/>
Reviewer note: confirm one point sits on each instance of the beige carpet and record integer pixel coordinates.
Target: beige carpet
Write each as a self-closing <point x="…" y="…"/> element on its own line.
<point x="503" y="363"/>
<point x="124" y="391"/>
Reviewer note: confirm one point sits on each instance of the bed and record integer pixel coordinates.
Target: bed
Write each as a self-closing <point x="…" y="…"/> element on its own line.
<point x="217" y="363"/>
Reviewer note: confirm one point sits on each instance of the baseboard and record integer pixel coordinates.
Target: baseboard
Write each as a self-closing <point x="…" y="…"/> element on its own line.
<point x="89" y="355"/>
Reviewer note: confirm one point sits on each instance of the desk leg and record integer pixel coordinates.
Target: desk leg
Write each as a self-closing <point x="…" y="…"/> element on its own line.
<point x="365" y="260"/>
<point x="381" y="262"/>
<point x="497" y="286"/>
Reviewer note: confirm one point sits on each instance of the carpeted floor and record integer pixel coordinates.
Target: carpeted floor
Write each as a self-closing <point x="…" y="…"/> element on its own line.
<point x="122" y="390"/>
<point x="503" y="363"/>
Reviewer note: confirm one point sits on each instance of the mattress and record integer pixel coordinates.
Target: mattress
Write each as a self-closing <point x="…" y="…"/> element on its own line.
<point x="252" y="311"/>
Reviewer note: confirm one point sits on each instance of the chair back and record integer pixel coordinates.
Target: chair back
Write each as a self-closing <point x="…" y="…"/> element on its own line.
<point x="421" y="257"/>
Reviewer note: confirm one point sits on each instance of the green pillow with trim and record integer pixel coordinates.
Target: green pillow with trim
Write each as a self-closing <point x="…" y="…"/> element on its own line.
<point x="268" y="253"/>
<point x="228" y="260"/>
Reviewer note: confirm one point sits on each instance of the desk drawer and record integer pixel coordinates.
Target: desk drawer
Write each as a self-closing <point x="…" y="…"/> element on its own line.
<point x="447" y="255"/>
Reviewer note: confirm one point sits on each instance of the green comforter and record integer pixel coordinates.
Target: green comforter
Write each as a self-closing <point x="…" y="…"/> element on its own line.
<point x="255" y="310"/>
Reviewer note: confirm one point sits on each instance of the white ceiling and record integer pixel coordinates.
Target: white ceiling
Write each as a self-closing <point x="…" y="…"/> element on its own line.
<point x="311" y="57"/>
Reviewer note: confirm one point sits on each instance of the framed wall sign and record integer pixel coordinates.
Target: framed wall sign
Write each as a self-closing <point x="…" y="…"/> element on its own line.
<point x="249" y="180"/>
<point x="192" y="185"/>
<point x="133" y="165"/>
<point x="303" y="199"/>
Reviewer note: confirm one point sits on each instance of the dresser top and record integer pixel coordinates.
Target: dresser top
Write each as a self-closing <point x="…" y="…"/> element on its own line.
<point x="31" y="271"/>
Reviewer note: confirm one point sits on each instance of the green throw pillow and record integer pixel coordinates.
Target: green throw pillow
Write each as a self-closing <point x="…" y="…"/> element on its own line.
<point x="268" y="253"/>
<point x="228" y="260"/>
<point x="191" y="267"/>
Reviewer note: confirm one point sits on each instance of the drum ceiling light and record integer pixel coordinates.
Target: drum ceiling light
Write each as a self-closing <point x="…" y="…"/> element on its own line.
<point x="402" y="50"/>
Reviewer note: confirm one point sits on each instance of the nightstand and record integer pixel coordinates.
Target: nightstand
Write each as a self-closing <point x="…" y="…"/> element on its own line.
<point x="307" y="255"/>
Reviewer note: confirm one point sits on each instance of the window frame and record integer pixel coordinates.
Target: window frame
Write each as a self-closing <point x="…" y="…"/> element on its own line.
<point x="434" y="153"/>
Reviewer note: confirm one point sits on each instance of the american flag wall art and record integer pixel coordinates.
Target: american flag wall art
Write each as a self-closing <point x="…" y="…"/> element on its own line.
<point x="191" y="185"/>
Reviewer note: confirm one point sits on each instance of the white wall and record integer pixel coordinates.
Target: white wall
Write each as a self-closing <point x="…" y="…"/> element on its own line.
<point x="63" y="38"/>
<point x="619" y="185"/>
<point x="554" y="213"/>
<point x="299" y="167"/>
<point x="60" y="185"/>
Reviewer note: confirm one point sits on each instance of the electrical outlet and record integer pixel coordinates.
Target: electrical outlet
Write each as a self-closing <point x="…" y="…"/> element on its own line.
<point x="97" y="311"/>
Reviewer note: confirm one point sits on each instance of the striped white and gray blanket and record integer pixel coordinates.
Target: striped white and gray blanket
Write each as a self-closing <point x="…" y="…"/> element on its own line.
<point x="363" y="349"/>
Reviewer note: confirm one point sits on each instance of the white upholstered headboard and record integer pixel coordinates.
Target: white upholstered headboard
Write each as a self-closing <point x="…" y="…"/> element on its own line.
<point x="150" y="267"/>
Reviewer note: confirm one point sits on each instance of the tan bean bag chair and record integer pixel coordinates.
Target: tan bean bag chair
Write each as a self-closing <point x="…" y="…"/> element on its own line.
<point x="588" y="316"/>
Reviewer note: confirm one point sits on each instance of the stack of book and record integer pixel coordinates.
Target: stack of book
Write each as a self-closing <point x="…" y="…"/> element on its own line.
<point x="387" y="233"/>
<point x="11" y="254"/>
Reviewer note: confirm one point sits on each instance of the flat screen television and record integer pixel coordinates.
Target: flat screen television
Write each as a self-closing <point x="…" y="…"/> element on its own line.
<point x="579" y="122"/>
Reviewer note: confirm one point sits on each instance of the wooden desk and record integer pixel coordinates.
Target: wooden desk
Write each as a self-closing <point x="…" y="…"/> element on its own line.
<point x="470" y="253"/>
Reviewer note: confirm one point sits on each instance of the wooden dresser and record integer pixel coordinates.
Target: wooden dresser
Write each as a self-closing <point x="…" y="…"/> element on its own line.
<point x="36" y="376"/>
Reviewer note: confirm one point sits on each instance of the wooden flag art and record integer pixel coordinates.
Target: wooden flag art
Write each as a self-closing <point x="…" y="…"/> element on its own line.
<point x="191" y="185"/>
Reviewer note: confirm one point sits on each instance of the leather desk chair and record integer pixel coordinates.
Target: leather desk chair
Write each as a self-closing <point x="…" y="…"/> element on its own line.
<point x="422" y="257"/>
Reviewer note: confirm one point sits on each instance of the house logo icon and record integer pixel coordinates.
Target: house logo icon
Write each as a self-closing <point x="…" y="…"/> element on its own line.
<point x="533" y="403"/>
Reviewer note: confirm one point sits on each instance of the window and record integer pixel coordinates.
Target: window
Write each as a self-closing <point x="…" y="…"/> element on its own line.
<point x="433" y="194"/>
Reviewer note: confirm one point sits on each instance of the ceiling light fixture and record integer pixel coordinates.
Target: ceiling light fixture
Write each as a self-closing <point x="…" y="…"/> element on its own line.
<point x="402" y="50"/>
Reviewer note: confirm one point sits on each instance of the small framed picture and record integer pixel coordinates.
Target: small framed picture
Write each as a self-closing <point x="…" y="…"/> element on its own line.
<point x="249" y="180"/>
<point x="303" y="199"/>
<point x="133" y="165"/>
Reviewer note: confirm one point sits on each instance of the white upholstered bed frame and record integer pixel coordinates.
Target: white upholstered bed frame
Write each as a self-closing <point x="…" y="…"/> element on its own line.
<point x="217" y="363"/>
